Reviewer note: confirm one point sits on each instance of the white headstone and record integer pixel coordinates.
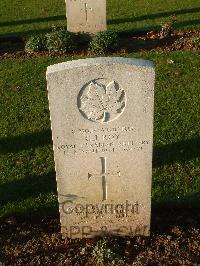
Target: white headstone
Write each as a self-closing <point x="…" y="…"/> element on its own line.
<point x="102" y="123"/>
<point x="86" y="15"/>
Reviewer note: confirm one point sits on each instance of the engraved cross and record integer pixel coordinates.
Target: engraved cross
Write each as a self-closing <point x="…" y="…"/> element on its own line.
<point x="86" y="11"/>
<point x="104" y="176"/>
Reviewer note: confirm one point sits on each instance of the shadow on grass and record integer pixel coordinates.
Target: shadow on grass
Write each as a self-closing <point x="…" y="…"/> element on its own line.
<point x="187" y="23"/>
<point x="144" y="30"/>
<point x="30" y="21"/>
<point x="15" y="193"/>
<point x="176" y="152"/>
<point x="183" y="212"/>
<point x="19" y="34"/>
<point x="153" y="16"/>
<point x="25" y="142"/>
<point x="29" y="187"/>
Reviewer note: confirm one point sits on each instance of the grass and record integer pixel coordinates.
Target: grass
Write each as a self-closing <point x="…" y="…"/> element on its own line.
<point x="27" y="178"/>
<point x="31" y="16"/>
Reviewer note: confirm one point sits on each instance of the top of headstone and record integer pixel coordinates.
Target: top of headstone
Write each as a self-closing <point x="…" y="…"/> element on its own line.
<point x="98" y="61"/>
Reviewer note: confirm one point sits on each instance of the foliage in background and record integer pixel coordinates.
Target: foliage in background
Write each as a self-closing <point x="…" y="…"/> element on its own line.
<point x="36" y="43"/>
<point x="102" y="253"/>
<point x="58" y="40"/>
<point x="167" y="28"/>
<point x="61" y="40"/>
<point x="83" y="39"/>
<point x="104" y="42"/>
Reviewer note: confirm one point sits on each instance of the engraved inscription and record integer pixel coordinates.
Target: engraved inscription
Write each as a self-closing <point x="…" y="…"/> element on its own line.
<point x="104" y="140"/>
<point x="101" y="101"/>
<point x="104" y="176"/>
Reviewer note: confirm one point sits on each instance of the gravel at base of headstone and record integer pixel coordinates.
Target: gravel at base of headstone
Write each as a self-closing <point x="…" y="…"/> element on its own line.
<point x="102" y="125"/>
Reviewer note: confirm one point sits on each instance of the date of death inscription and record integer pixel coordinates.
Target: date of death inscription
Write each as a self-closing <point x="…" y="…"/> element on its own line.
<point x="103" y="140"/>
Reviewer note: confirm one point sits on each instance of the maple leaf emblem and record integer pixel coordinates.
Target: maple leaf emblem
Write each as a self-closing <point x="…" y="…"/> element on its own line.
<point x="102" y="103"/>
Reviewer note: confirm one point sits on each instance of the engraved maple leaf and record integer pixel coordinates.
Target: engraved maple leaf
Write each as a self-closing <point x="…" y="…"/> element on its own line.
<point x="101" y="102"/>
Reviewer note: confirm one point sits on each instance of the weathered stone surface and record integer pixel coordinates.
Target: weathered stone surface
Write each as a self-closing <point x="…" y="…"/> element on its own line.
<point x="102" y="123"/>
<point x="86" y="15"/>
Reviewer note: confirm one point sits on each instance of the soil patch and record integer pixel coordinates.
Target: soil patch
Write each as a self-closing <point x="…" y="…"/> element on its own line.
<point x="175" y="240"/>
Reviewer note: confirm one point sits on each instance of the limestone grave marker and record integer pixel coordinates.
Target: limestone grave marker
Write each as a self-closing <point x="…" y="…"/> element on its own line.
<point x="102" y="125"/>
<point x="87" y="16"/>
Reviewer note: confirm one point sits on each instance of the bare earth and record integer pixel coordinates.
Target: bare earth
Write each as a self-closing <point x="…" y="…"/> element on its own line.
<point x="175" y="240"/>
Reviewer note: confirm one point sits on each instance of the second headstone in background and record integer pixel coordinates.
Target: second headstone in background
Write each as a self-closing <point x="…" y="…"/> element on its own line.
<point x="87" y="16"/>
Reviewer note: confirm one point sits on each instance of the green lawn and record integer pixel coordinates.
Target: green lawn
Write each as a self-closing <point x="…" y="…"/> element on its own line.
<point x="30" y="16"/>
<point x="27" y="178"/>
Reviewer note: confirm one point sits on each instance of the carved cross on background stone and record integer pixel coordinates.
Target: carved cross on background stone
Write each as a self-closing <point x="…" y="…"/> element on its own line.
<point x="86" y="11"/>
<point x="87" y="16"/>
<point x="104" y="176"/>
